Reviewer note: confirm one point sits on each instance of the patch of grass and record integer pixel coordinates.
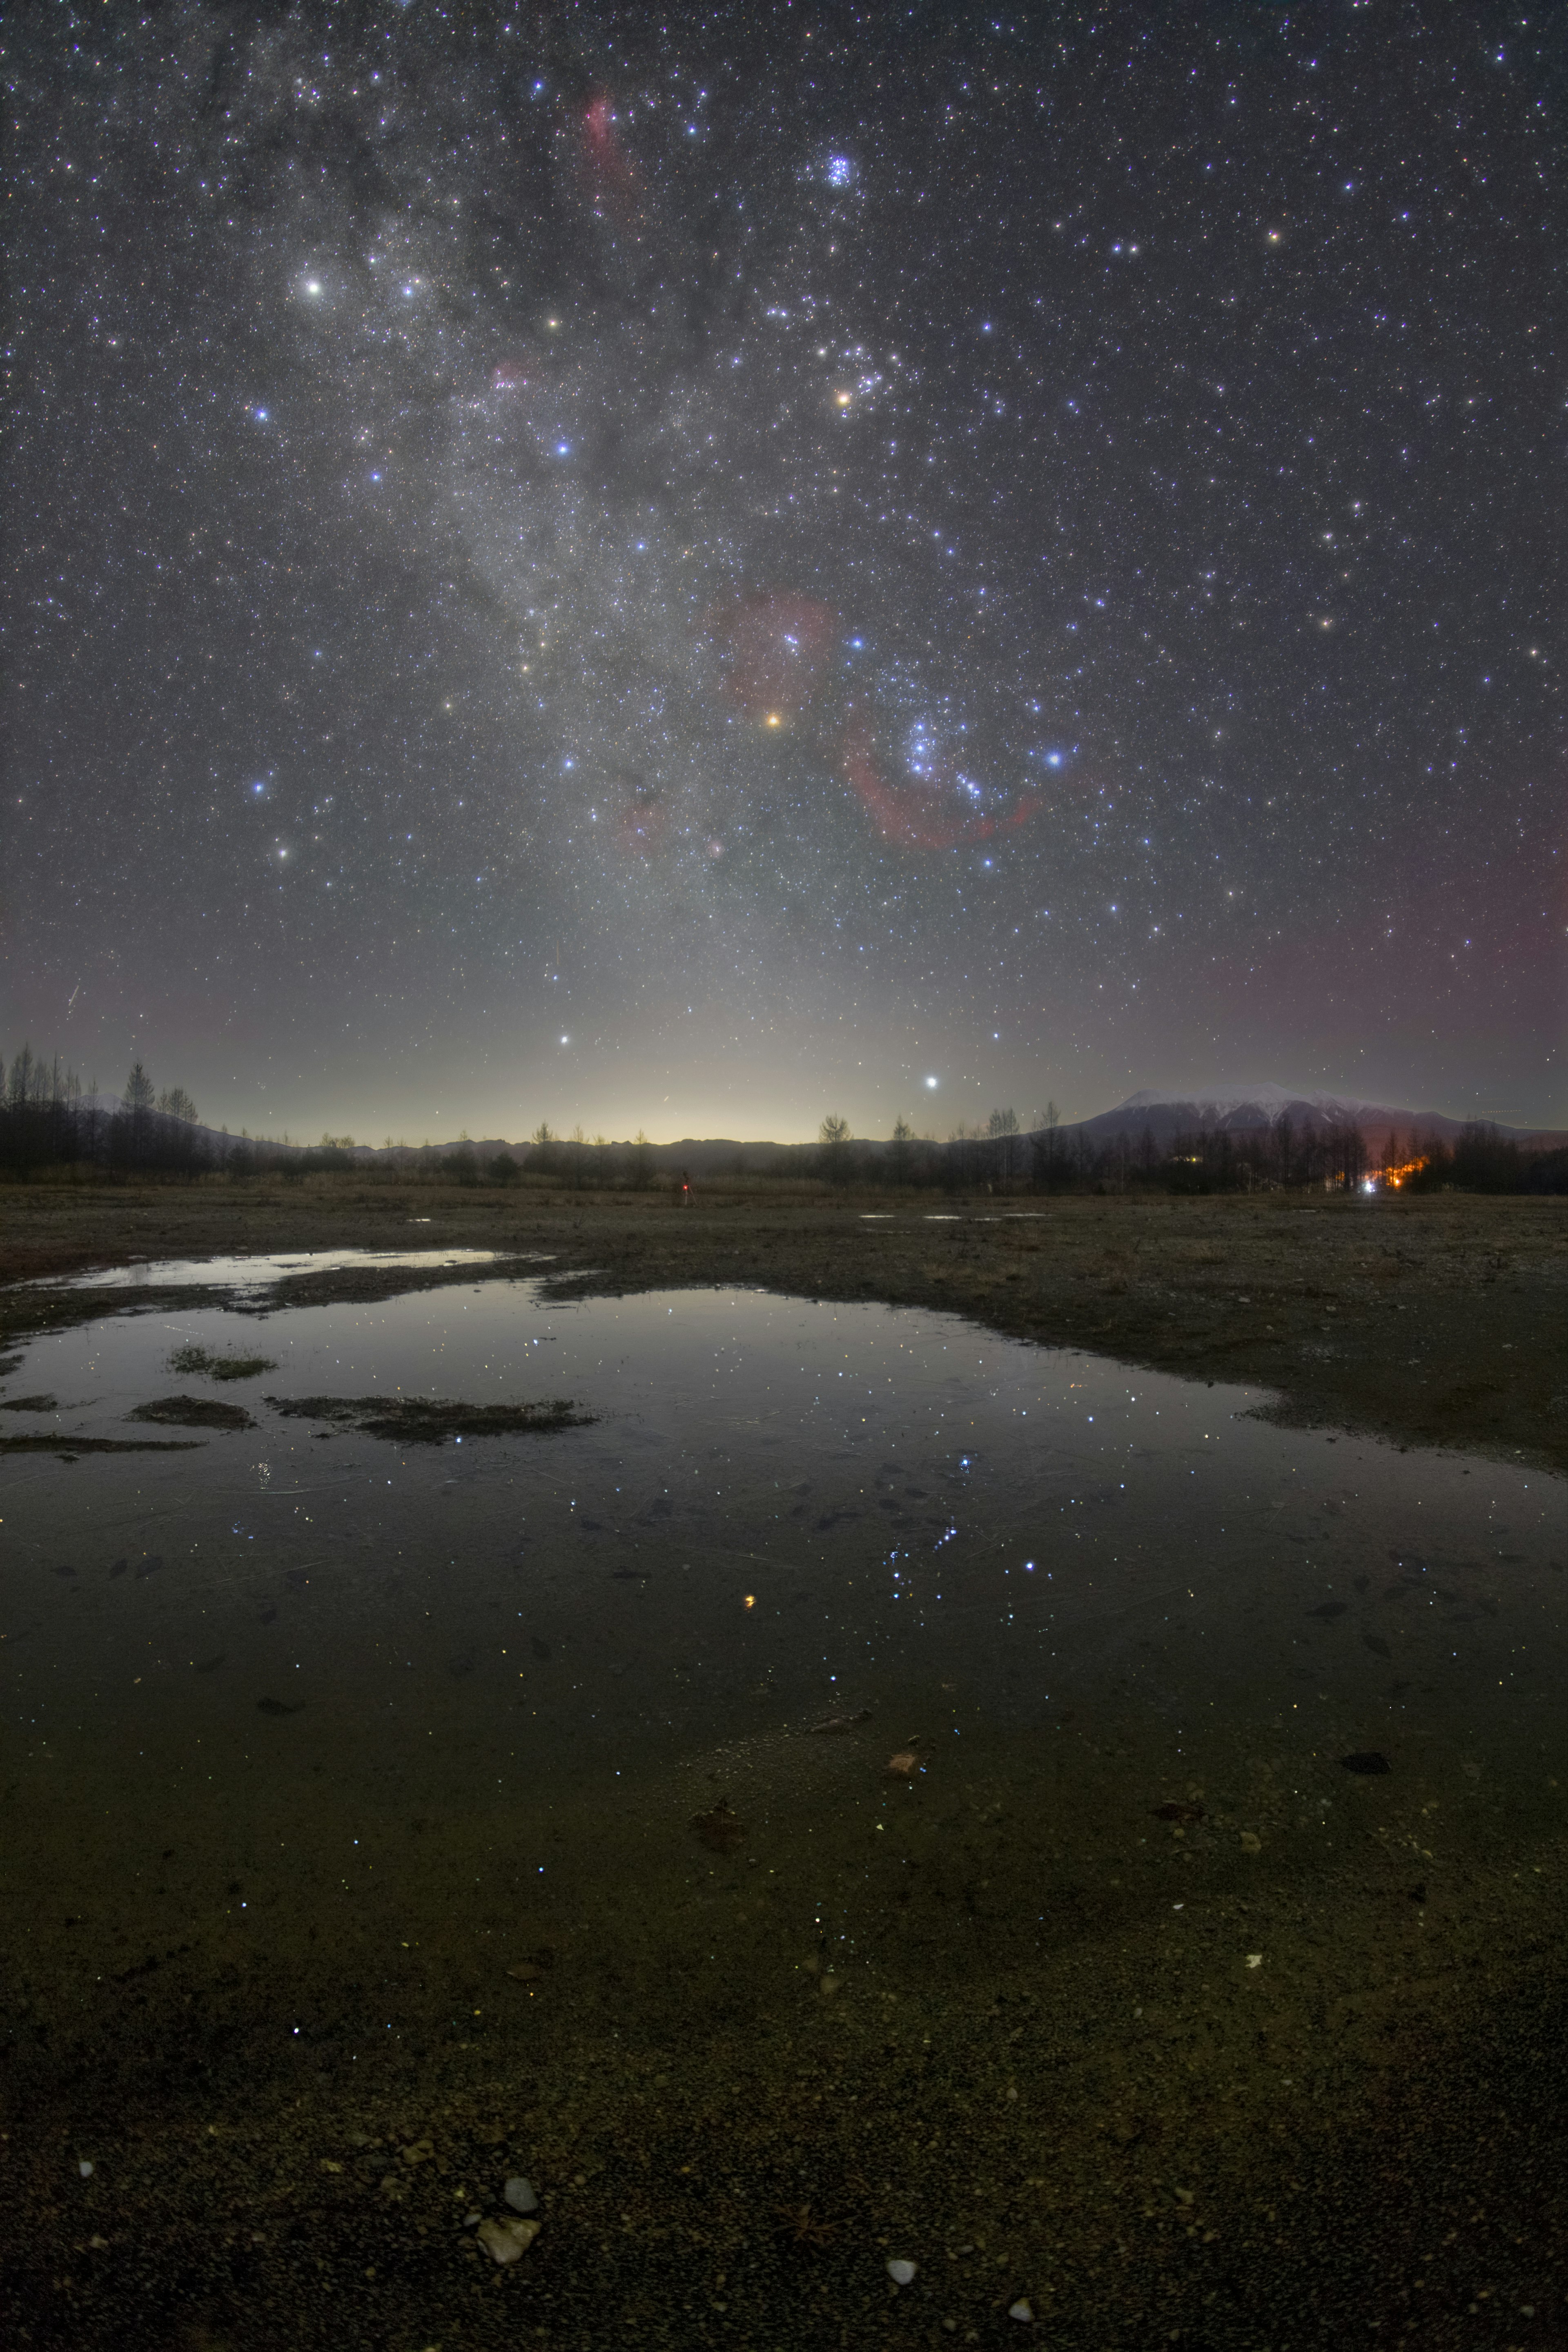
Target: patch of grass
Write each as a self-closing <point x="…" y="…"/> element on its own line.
<point x="429" y="1420"/>
<point x="67" y="1447"/>
<point x="193" y="1412"/>
<point x="203" y="1364"/>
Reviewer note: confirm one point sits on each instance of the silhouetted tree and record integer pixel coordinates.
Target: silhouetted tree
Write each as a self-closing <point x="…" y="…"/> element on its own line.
<point x="137" y="1104"/>
<point x="1002" y="1127"/>
<point x="834" y="1137"/>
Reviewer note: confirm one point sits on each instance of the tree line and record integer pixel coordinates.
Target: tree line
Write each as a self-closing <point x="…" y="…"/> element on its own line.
<point x="49" y="1119"/>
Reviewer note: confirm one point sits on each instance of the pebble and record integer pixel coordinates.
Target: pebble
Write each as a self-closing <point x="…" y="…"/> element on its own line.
<point x="506" y="2241"/>
<point x="85" y="2168"/>
<point x="899" y="2271"/>
<point x="1023" y="2309"/>
<point x="520" y="2195"/>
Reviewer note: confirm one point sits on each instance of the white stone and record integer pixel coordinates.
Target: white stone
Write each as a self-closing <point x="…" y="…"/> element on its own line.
<point x="85" y="2168"/>
<point x="899" y="2271"/>
<point x="506" y="2241"/>
<point x="520" y="2195"/>
<point x="1023" y="2309"/>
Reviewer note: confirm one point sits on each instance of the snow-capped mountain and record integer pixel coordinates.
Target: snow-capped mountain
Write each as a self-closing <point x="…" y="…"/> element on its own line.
<point x="1242" y="1109"/>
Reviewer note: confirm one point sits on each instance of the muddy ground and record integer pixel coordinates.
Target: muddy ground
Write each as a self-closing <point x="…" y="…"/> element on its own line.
<point x="1130" y="2047"/>
<point x="1440" y="1322"/>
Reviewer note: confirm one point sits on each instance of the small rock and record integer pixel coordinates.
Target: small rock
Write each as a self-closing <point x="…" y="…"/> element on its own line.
<point x="506" y="2241"/>
<point x="1023" y="2309"/>
<point x="905" y="1764"/>
<point x="520" y="2195"/>
<point x="471" y="2220"/>
<point x="527" y="1972"/>
<point x="828" y="1986"/>
<point x="901" y="2272"/>
<point x="85" y="2168"/>
<point x="721" y="1831"/>
<point x="1250" y="1842"/>
<point x="96" y="2241"/>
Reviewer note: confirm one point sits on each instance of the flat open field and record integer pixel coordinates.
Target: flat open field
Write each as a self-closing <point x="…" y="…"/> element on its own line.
<point x="1168" y="1955"/>
<point x="1433" y="1322"/>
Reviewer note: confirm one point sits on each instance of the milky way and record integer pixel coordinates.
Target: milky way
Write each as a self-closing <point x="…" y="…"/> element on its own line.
<point x="569" y="568"/>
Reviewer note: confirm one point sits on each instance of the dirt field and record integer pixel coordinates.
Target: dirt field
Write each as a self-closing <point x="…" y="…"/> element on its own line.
<point x="1431" y="1322"/>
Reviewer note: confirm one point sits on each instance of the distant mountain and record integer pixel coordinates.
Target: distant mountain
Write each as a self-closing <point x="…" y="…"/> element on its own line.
<point x="1246" y="1110"/>
<point x="1163" y="1113"/>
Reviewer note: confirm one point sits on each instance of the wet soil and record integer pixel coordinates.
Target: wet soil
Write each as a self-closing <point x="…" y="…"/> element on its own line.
<point x="1439" y="1321"/>
<point x="193" y="1412"/>
<point x="1216" y="2034"/>
<point x="429" y="1421"/>
<point x="41" y="1441"/>
<point x="1168" y="2089"/>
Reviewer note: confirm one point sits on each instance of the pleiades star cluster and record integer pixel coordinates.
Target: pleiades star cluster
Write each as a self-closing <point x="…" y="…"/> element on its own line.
<point x="693" y="568"/>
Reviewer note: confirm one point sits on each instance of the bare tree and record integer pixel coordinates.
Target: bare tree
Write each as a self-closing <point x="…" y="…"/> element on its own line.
<point x="834" y="1137"/>
<point x="1002" y="1127"/>
<point x="138" y="1100"/>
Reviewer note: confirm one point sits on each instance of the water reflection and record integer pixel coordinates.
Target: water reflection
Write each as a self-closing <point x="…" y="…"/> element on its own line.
<point x="810" y="1502"/>
<point x="853" y="1675"/>
<point x="259" y="1270"/>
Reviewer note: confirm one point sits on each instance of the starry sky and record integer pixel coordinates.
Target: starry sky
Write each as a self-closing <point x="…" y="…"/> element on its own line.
<point x="689" y="571"/>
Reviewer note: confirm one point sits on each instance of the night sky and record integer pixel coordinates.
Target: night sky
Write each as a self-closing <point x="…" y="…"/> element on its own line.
<point x="692" y="573"/>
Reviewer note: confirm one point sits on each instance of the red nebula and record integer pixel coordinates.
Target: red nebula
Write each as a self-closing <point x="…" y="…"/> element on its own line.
<point x="613" y="177"/>
<point x="914" y="817"/>
<point x="772" y="649"/>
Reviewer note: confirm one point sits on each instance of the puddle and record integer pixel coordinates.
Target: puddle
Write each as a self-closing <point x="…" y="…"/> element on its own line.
<point x="260" y="1273"/>
<point x="845" y="1657"/>
<point x="776" y="1511"/>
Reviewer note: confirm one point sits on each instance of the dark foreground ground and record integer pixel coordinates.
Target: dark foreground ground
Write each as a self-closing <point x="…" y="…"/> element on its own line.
<point x="1131" y="2037"/>
<point x="1054" y="2076"/>
<point x="1433" y="1322"/>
